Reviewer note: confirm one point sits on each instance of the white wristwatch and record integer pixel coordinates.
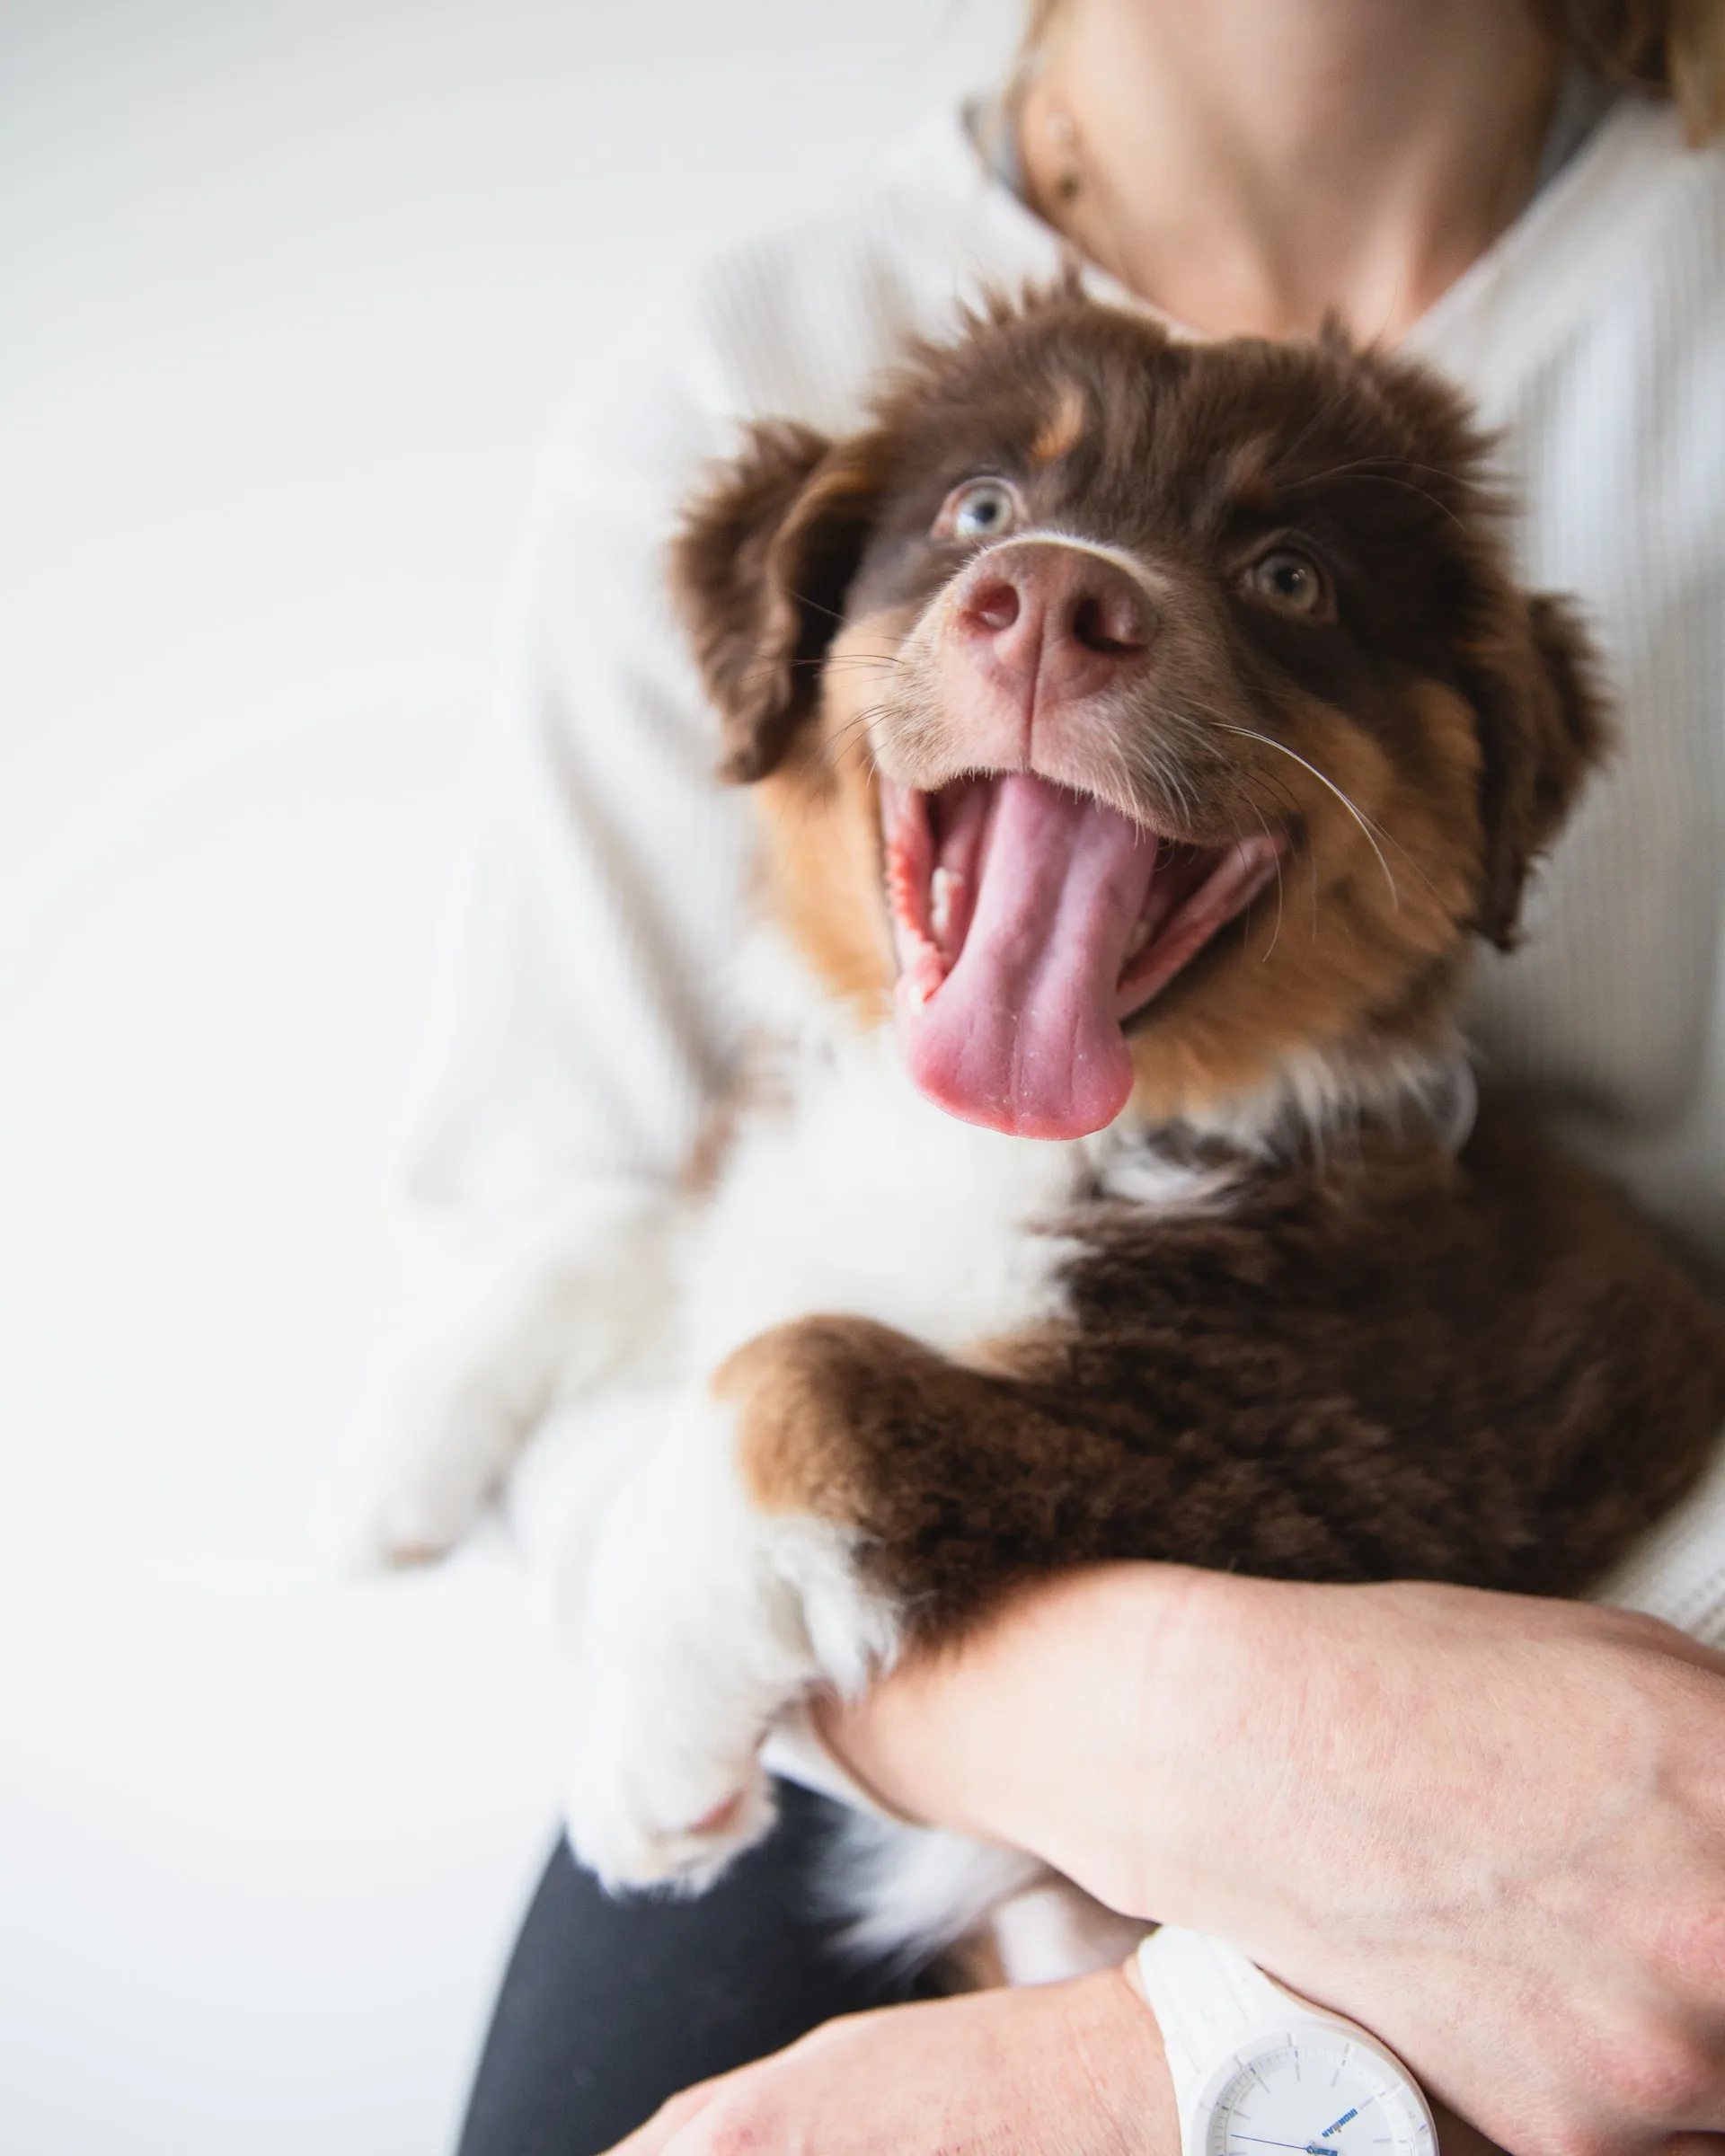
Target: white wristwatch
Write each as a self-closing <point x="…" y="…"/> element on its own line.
<point x="1257" y="2068"/>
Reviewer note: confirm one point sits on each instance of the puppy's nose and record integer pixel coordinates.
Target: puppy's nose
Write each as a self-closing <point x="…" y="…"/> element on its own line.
<point x="1052" y="615"/>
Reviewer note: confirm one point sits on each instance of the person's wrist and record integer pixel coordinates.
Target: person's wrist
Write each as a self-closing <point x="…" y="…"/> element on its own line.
<point x="1202" y="1645"/>
<point x="1244" y="1702"/>
<point x="1115" y="2033"/>
<point x="1053" y="1727"/>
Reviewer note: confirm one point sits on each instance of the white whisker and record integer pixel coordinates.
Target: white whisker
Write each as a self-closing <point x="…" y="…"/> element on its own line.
<point x="1366" y="829"/>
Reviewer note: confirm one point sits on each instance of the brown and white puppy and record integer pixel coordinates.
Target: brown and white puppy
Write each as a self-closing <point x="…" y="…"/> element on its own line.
<point x="1143" y="733"/>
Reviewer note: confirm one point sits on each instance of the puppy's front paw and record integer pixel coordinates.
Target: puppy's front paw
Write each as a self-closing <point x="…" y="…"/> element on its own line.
<point x="653" y="1817"/>
<point x="705" y="1618"/>
<point x="695" y="1635"/>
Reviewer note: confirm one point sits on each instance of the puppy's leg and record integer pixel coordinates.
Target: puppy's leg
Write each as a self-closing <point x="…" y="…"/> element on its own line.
<point x="834" y="1487"/>
<point x="705" y="1617"/>
<point x="788" y="1530"/>
<point x="548" y="1310"/>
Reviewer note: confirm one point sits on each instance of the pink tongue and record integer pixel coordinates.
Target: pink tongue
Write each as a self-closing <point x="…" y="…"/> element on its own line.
<point x="1021" y="1034"/>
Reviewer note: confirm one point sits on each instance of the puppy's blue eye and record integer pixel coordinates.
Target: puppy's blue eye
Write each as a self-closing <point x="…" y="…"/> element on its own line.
<point x="982" y="508"/>
<point x="1289" y="580"/>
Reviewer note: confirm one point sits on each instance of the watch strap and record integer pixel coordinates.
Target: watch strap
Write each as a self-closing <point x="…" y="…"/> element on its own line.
<point x="1205" y="1996"/>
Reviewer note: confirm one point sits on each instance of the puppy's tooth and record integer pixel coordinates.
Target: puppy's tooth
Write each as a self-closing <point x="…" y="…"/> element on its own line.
<point x="942" y="885"/>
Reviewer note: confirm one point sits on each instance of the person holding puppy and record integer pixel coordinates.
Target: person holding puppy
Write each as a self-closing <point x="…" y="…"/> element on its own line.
<point x="1492" y="1829"/>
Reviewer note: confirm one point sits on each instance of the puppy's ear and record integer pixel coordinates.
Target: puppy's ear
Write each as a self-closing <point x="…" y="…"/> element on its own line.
<point x="1543" y="725"/>
<point x="1527" y="664"/>
<point x="760" y="570"/>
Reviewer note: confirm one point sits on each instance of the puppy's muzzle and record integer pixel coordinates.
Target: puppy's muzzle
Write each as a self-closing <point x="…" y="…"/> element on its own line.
<point x="1047" y="622"/>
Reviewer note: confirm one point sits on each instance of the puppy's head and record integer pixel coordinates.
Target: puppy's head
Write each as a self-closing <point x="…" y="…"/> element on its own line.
<point x="1130" y="712"/>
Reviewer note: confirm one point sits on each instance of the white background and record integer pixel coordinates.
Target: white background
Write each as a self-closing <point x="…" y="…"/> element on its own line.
<point x="288" y="290"/>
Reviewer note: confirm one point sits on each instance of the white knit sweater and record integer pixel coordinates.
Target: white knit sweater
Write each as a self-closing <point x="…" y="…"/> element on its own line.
<point x="588" y="1022"/>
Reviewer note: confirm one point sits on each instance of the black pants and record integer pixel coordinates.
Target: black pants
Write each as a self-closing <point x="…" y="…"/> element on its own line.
<point x="609" y="2007"/>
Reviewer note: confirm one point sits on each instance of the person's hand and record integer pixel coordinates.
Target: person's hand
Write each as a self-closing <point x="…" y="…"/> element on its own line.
<point x="1052" y="2070"/>
<point x="1490" y="1827"/>
<point x="1060" y="2070"/>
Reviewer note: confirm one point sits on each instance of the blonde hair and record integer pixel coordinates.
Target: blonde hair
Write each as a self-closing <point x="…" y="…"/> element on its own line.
<point x="1673" y="47"/>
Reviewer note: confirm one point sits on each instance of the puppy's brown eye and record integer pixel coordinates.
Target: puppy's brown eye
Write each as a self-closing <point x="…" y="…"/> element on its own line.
<point x="982" y="508"/>
<point x="1290" y="580"/>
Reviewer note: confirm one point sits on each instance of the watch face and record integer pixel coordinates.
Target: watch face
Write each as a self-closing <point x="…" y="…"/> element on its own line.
<point x="1323" y="2096"/>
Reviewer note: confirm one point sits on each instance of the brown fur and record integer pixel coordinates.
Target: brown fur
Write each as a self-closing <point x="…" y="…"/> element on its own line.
<point x="1457" y="715"/>
<point x="1372" y="1360"/>
<point x="821" y="818"/>
<point x="1393" y="1365"/>
<point x="1353" y="945"/>
<point x="763" y="574"/>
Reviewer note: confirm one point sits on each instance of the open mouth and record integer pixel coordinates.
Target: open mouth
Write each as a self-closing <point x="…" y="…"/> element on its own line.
<point x="1030" y="922"/>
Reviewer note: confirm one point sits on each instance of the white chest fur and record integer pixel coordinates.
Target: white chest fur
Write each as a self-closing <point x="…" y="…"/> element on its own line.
<point x="854" y="1195"/>
<point x="859" y="1197"/>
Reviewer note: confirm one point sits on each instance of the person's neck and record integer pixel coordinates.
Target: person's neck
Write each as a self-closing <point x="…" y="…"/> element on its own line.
<point x="1252" y="167"/>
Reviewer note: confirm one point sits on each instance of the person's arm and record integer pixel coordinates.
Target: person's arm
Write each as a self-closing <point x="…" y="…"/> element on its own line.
<point x="585" y="1026"/>
<point x="1052" y="2070"/>
<point x="1058" y="2070"/>
<point x="1490" y="1827"/>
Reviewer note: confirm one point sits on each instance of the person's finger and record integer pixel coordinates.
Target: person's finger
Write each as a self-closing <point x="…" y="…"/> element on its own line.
<point x="1695" y="2145"/>
<point x="670" y="2120"/>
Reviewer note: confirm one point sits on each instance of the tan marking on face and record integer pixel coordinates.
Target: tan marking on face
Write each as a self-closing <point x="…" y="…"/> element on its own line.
<point x="1362" y="944"/>
<point x="1353" y="950"/>
<point x="1245" y="473"/>
<point x="821" y="816"/>
<point x="1062" y="430"/>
